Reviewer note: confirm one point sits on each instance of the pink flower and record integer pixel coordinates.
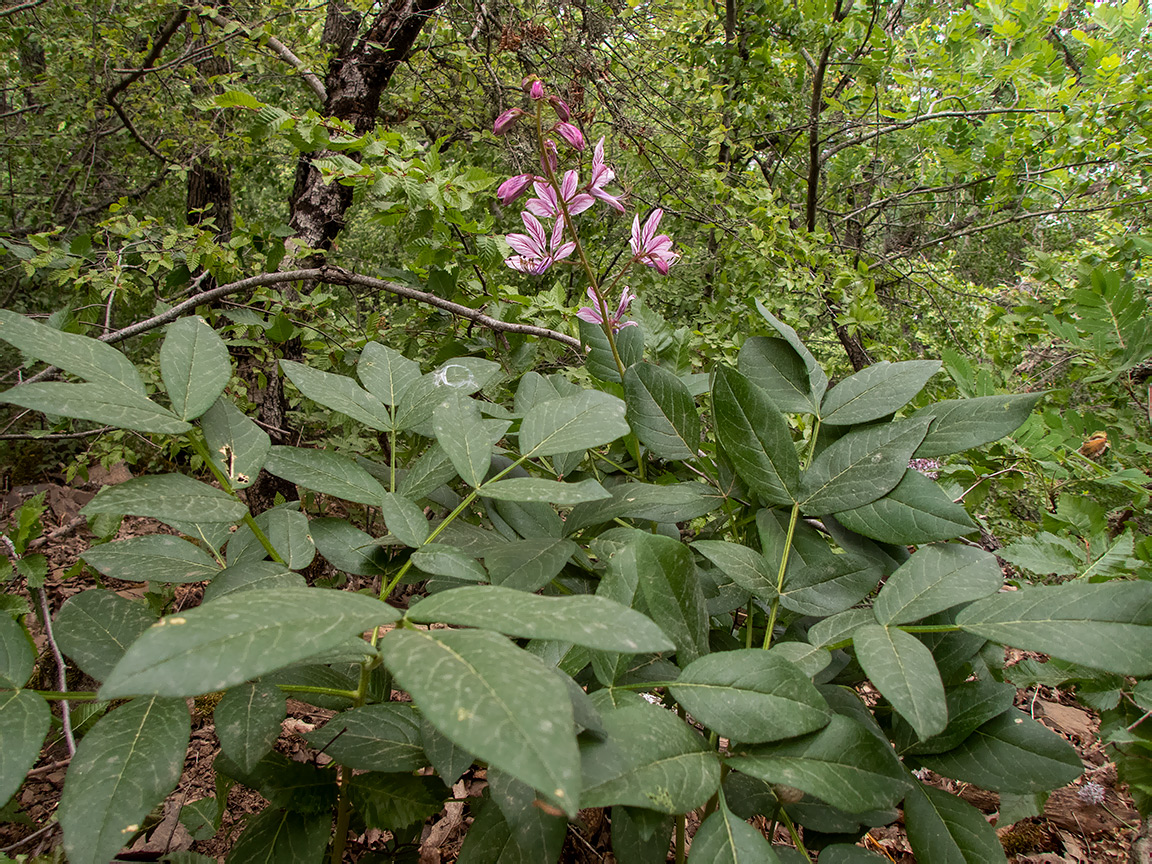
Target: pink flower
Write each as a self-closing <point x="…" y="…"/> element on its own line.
<point x="547" y="206"/>
<point x="549" y="157"/>
<point x="513" y="188"/>
<point x="650" y="248"/>
<point x="536" y="90"/>
<point x="507" y="120"/>
<point x="592" y="315"/>
<point x="571" y="134"/>
<point x="602" y="175"/>
<point x="560" y="107"/>
<point x="537" y="252"/>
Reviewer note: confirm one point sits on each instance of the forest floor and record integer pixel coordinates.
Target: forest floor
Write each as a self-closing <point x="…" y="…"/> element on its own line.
<point x="1071" y="830"/>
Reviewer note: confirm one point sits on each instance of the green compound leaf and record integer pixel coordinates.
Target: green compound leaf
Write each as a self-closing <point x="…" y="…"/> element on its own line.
<point x="169" y="498"/>
<point x="404" y="519"/>
<point x="24" y="721"/>
<point x="373" y="738"/>
<point x="391" y="802"/>
<point x="595" y="622"/>
<point x="529" y="489"/>
<point x="661" y="411"/>
<point x="340" y="393"/>
<point x="158" y="558"/>
<point x="676" y="503"/>
<point x="667" y="580"/>
<point x="755" y="436"/>
<point x="961" y="424"/>
<point x="322" y="471"/>
<point x="252" y="575"/>
<point x="946" y="829"/>
<point x="494" y="700"/>
<point x="917" y="511"/>
<point x="95" y="627"/>
<point x="875" y="392"/>
<point x="776" y="368"/>
<point x="347" y="548"/>
<point x="588" y="419"/>
<point x="98" y="402"/>
<point x="905" y="674"/>
<point x="1106" y="626"/>
<point x="194" y="365"/>
<point x="860" y="467"/>
<point x="818" y="381"/>
<point x="277" y="836"/>
<point x="248" y="721"/>
<point x="724" y="838"/>
<point x="528" y="565"/>
<point x="936" y="578"/>
<point x="464" y="437"/>
<point x="17" y="659"/>
<point x="239" y="637"/>
<point x="236" y="444"/>
<point x="439" y="560"/>
<point x="386" y="372"/>
<point x="751" y="695"/>
<point x="1011" y="753"/>
<point x="287" y="530"/>
<point x="843" y="764"/>
<point x="649" y="758"/>
<point x="971" y="704"/>
<point x="746" y="567"/>
<point x="126" y="765"/>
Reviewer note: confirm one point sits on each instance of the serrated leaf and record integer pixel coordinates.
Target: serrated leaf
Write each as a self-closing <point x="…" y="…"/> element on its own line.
<point x="24" y="721"/>
<point x="661" y="412"/>
<point x="404" y="520"/>
<point x="961" y="424"/>
<point x="95" y="627"/>
<point x="588" y="419"/>
<point x="386" y="372"/>
<point x="755" y="436"/>
<point x="169" y="498"/>
<point x="776" y="368"/>
<point x="860" y="467"/>
<point x="528" y="565"/>
<point x="239" y="637"/>
<point x="98" y="402"/>
<point x="547" y="491"/>
<point x="373" y="738"/>
<point x="750" y="695"/>
<point x="584" y="619"/>
<point x="277" y="836"/>
<point x="903" y="670"/>
<point x="494" y="700"/>
<point x="936" y="578"/>
<point x="194" y="365"/>
<point x="16" y="656"/>
<point x="236" y="444"/>
<point x="247" y="722"/>
<point x="157" y="558"/>
<point x="945" y="829"/>
<point x="1045" y="554"/>
<point x="323" y="471"/>
<point x="876" y="391"/>
<point x="917" y="511"/>
<point x="843" y="764"/>
<point x="391" y="802"/>
<point x="126" y="764"/>
<point x="340" y="393"/>
<point x="1104" y="626"/>
<point x="723" y="838"/>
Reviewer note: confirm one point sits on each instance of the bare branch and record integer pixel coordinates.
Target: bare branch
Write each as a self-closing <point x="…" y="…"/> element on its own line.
<point x="12" y="10"/>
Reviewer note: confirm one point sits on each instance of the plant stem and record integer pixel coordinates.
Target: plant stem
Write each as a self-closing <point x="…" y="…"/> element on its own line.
<point x="343" y="815"/>
<point x="795" y="836"/>
<point x="74" y="695"/>
<point x="780" y="576"/>
<point x="61" y="671"/>
<point x="325" y="691"/>
<point x="681" y="838"/>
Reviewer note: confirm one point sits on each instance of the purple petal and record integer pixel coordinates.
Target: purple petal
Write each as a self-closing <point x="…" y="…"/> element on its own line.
<point x="568" y="187"/>
<point x="535" y="230"/>
<point x="518" y="262"/>
<point x="513" y="188"/>
<point x="560" y="107"/>
<point x="564" y="251"/>
<point x="580" y="203"/>
<point x="571" y="134"/>
<point x="636" y="234"/>
<point x="549" y="157"/>
<point x="523" y="244"/>
<point x="610" y="200"/>
<point x="541" y="208"/>
<point x="506" y="120"/>
<point x="587" y="313"/>
<point x="650" y="227"/>
<point x="536" y="91"/>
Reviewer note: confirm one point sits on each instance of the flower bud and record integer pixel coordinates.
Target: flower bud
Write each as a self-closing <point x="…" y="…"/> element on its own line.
<point x="571" y="134"/>
<point x="560" y="107"/>
<point x="537" y="90"/>
<point x="513" y="187"/>
<point x="507" y="120"/>
<point x="549" y="157"/>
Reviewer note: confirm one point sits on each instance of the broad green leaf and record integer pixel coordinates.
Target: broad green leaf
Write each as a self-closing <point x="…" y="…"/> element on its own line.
<point x="1046" y="554"/>
<point x="875" y="392"/>
<point x="776" y="368"/>
<point x="247" y="722"/>
<point x="347" y="548"/>
<point x="678" y="502"/>
<point x="415" y="406"/>
<point x="599" y="360"/>
<point x="439" y="560"/>
<point x="157" y="558"/>
<point x="427" y="474"/>
<point x="971" y="704"/>
<point x="95" y="627"/>
<point x="724" y="837"/>
<point x="843" y="764"/>
<point x="404" y="520"/>
<point x="202" y="819"/>
<point x="239" y="637"/>
<point x="511" y="828"/>
<point x="236" y="444"/>
<point x="936" y="578"/>
<point x="640" y="836"/>
<point x="300" y="787"/>
<point x="24" y="721"/>
<point x="946" y="829"/>
<point x="746" y="567"/>
<point x="462" y="434"/>
<point x="494" y="700"/>
<point x="392" y="802"/>
<point x="386" y="372"/>
<point x="17" y="658"/>
<point x="277" y="836"/>
<point x="755" y="436"/>
<point x="807" y="658"/>
<point x="126" y="765"/>
<point x="917" y="511"/>
<point x="671" y="591"/>
<point x="546" y="491"/>
<point x="449" y="760"/>
<point x="259" y="575"/>
<point x="324" y="471"/>
<point x="860" y="467"/>
<point x="583" y="619"/>
<point x="1011" y="753"/>
<point x="98" y="402"/>
<point x="194" y="365"/>
<point x="340" y="393"/>
<point x="839" y="627"/>
<point x="1105" y="626"/>
<point x="818" y="381"/>
<point x="168" y="497"/>
<point x="465" y="375"/>
<point x="661" y="412"/>
<point x="750" y="695"/>
<point x="649" y="758"/>
<point x="81" y="356"/>
<point x="903" y="670"/>
<point x="286" y="528"/>
<point x="588" y="419"/>
<point x="373" y="738"/>
<point x="528" y="565"/>
<point x="961" y="424"/>
<point x="529" y="519"/>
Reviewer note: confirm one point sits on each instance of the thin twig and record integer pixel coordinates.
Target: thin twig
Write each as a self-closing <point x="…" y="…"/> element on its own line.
<point x="12" y="10"/>
<point x="61" y="671"/>
<point x="57" y="436"/>
<point x="6" y="849"/>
